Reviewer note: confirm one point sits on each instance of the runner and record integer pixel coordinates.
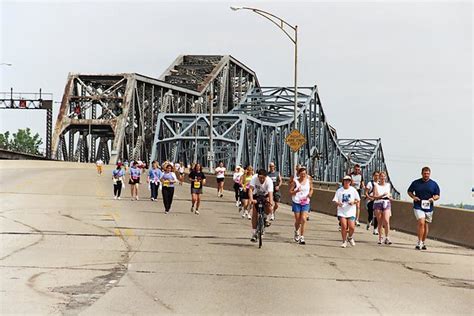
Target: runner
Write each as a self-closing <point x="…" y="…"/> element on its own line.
<point x="244" y="197"/>
<point x="125" y="164"/>
<point x="168" y="179"/>
<point x="424" y="192"/>
<point x="369" y="193"/>
<point x="134" y="180"/>
<point x="237" y="186"/>
<point x="277" y="181"/>
<point x="99" y="164"/>
<point x="154" y="176"/>
<point x="346" y="199"/>
<point x="358" y="184"/>
<point x="117" y="178"/>
<point x="181" y="173"/>
<point x="301" y="190"/>
<point x="198" y="179"/>
<point x="220" y="176"/>
<point x="260" y="185"/>
<point x="382" y="206"/>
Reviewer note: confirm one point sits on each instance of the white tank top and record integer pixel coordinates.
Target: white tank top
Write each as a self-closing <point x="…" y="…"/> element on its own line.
<point x="383" y="189"/>
<point x="301" y="196"/>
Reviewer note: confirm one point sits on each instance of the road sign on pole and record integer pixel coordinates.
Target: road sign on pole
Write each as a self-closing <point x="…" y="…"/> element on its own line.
<point x="295" y="140"/>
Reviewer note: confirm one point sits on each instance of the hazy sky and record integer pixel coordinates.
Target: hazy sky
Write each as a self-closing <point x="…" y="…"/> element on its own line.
<point x="401" y="71"/>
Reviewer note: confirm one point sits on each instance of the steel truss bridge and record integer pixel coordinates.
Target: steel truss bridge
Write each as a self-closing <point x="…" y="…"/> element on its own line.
<point x="131" y="116"/>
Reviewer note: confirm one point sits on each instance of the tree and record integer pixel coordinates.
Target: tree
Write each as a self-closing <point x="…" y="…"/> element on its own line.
<point x="4" y="143"/>
<point x="22" y="141"/>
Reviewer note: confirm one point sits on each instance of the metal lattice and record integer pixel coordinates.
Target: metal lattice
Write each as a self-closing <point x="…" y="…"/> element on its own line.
<point x="169" y="119"/>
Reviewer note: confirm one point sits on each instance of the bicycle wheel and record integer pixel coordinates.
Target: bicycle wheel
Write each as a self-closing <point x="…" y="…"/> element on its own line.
<point x="260" y="226"/>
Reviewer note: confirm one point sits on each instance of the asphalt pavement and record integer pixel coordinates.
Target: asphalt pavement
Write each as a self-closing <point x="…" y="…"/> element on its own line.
<point x="67" y="247"/>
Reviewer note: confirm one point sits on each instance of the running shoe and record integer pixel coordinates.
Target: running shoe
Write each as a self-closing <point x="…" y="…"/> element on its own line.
<point x="115" y="197"/>
<point x="166" y="212"/>
<point x="254" y="238"/>
<point x="423" y="247"/>
<point x="249" y="216"/>
<point x="344" y="244"/>
<point x="351" y="241"/>
<point x="236" y="203"/>
<point x="296" y="236"/>
<point x="222" y="195"/>
<point x="243" y="215"/>
<point x="192" y="209"/>
<point x="137" y="198"/>
<point x="196" y="212"/>
<point x="272" y="217"/>
<point x="375" y="232"/>
<point x="388" y="241"/>
<point x="357" y="223"/>
<point x="118" y="198"/>
<point x="367" y="227"/>
<point x="301" y="241"/>
<point x="419" y="245"/>
<point x="380" y="241"/>
<point x="267" y="223"/>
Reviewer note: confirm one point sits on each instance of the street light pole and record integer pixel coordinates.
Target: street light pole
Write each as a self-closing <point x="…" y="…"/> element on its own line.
<point x="280" y="23"/>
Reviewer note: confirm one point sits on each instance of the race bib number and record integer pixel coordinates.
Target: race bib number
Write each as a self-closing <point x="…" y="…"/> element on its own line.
<point x="425" y="204"/>
<point x="166" y="183"/>
<point x="197" y="185"/>
<point x="304" y="201"/>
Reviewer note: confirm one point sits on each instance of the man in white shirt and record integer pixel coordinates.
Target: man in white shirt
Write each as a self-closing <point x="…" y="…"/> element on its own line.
<point x="261" y="186"/>
<point x="358" y="184"/>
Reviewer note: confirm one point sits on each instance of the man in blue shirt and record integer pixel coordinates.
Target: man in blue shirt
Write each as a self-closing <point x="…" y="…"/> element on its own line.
<point x="424" y="192"/>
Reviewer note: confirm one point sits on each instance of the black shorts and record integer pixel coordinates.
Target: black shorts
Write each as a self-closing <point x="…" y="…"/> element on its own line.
<point x="220" y="180"/>
<point x="276" y="196"/>
<point x="134" y="181"/>
<point x="244" y="195"/>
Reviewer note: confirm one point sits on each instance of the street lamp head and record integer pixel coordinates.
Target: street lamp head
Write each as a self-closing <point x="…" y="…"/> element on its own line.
<point x="235" y="8"/>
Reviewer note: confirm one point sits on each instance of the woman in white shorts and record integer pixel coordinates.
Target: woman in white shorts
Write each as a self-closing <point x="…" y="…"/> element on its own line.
<point x="382" y="207"/>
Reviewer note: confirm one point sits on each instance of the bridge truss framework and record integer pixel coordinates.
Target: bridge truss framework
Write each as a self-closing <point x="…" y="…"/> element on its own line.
<point x="131" y="116"/>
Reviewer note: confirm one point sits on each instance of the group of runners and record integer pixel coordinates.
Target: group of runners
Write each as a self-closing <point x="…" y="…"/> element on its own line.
<point x="249" y="185"/>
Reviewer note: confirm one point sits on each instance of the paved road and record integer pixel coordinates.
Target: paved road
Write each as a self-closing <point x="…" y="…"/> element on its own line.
<point x="68" y="248"/>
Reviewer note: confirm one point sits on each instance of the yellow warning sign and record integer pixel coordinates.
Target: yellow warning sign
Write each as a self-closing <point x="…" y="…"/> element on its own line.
<point x="295" y="140"/>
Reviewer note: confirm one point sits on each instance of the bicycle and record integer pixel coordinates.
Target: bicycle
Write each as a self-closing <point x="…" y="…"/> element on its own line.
<point x="260" y="206"/>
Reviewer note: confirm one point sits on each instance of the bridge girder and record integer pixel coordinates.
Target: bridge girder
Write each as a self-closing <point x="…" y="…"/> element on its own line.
<point x="120" y="110"/>
<point x="139" y="117"/>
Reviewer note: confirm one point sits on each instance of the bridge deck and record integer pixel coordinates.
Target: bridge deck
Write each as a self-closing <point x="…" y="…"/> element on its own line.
<point x="68" y="247"/>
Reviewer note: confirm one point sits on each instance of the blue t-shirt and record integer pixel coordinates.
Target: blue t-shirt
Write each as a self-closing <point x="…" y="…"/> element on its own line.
<point x="135" y="173"/>
<point x="117" y="173"/>
<point x="155" y="174"/>
<point x="424" y="191"/>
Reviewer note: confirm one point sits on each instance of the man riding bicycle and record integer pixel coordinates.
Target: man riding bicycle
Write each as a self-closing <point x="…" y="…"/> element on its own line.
<point x="261" y="186"/>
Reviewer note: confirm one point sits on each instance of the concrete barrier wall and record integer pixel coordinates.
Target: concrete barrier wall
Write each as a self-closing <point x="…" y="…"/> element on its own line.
<point x="451" y="225"/>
